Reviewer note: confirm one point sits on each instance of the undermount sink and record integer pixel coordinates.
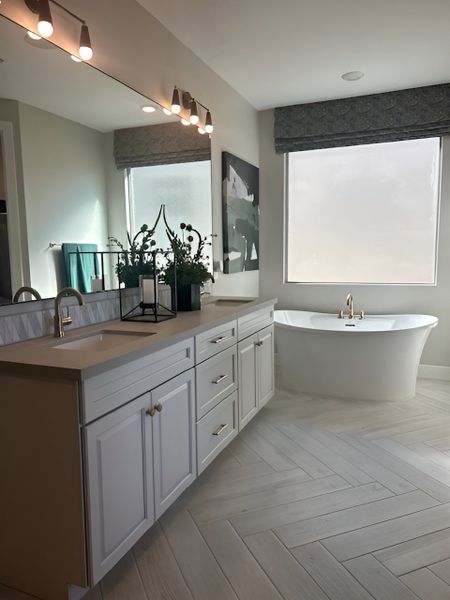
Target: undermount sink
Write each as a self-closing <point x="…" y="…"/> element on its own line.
<point x="231" y="301"/>
<point x="100" y="340"/>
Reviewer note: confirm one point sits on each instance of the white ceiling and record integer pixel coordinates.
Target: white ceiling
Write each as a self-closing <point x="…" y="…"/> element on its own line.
<point x="287" y="51"/>
<point x="48" y="79"/>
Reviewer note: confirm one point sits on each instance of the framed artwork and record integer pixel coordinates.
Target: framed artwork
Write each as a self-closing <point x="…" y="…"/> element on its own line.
<point x="240" y="210"/>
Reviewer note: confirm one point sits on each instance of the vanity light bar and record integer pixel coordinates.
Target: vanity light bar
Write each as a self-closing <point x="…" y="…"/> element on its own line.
<point x="182" y="99"/>
<point x="45" y="25"/>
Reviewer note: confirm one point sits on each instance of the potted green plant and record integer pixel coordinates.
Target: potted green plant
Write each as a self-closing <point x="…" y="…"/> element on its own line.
<point x="186" y="265"/>
<point x="135" y="259"/>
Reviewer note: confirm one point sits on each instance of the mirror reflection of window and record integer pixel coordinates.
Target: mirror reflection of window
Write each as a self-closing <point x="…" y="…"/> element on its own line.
<point x="184" y="189"/>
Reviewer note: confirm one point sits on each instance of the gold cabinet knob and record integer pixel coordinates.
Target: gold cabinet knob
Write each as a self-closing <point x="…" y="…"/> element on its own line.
<point x="150" y="412"/>
<point x="158" y="407"/>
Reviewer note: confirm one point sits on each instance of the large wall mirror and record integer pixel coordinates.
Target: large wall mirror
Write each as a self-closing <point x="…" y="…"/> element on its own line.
<point x="80" y="161"/>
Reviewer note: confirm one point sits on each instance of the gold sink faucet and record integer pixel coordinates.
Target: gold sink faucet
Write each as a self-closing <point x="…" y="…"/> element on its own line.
<point x="26" y="289"/>
<point x="59" y="320"/>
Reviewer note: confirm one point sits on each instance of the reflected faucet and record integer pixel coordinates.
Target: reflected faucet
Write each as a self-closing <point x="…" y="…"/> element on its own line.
<point x="59" y="320"/>
<point x="26" y="289"/>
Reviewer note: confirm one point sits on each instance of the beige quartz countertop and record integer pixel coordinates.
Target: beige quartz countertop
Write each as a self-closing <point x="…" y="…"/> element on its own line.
<point x="42" y="356"/>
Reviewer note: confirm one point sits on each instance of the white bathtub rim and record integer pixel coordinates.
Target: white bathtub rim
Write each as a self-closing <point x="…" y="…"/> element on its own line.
<point x="424" y="322"/>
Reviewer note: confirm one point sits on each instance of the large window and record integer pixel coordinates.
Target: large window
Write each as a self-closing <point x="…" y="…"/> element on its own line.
<point x="364" y="214"/>
<point x="184" y="189"/>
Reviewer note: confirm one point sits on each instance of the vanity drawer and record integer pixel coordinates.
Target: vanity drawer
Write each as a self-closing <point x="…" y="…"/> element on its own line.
<point x="216" y="378"/>
<point x="215" y="340"/>
<point x="216" y="430"/>
<point x="107" y="391"/>
<point x="255" y="321"/>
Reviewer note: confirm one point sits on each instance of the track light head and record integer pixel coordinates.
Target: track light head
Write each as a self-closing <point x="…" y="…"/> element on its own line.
<point x="175" y="106"/>
<point x="85" y="50"/>
<point x="193" y="118"/>
<point x="45" y="21"/>
<point x="208" y="123"/>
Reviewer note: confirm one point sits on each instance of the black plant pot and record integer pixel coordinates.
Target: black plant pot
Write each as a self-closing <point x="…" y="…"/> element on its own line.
<point x="188" y="297"/>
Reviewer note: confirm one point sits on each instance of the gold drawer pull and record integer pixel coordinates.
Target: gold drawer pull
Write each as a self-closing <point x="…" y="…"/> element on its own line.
<point x="219" y="340"/>
<point x="221" y="429"/>
<point x="150" y="412"/>
<point x="261" y="343"/>
<point x="220" y="379"/>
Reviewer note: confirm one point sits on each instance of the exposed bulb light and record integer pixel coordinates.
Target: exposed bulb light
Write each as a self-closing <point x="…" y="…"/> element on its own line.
<point x="167" y="112"/>
<point x="45" y="21"/>
<point x="75" y="59"/>
<point x="185" y="122"/>
<point x="33" y="36"/>
<point x="208" y="123"/>
<point x="201" y="131"/>
<point x="194" y="113"/>
<point x="176" y="105"/>
<point x="85" y="50"/>
<point x="148" y="109"/>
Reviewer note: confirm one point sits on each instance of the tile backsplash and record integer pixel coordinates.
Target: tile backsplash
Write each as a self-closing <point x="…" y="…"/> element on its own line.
<point x="28" y="320"/>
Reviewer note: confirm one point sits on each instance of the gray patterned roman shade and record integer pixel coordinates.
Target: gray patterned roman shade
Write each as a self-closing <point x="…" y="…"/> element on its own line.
<point x="392" y="116"/>
<point x="162" y="144"/>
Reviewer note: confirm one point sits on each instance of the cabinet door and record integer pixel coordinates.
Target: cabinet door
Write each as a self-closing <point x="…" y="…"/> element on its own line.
<point x="265" y="365"/>
<point x="120" y="482"/>
<point x="247" y="367"/>
<point x="173" y="439"/>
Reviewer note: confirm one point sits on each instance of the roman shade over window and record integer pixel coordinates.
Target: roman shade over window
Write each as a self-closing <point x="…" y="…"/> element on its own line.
<point x="393" y="116"/>
<point x="163" y="144"/>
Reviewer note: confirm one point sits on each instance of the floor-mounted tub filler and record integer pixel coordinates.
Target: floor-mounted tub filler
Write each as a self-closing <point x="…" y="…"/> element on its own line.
<point x="366" y="357"/>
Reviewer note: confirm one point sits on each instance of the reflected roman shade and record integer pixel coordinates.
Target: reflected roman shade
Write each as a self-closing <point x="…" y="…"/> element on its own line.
<point x="392" y="116"/>
<point x="163" y="144"/>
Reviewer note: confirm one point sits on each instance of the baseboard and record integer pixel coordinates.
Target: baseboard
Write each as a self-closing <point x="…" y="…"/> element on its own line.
<point x="434" y="372"/>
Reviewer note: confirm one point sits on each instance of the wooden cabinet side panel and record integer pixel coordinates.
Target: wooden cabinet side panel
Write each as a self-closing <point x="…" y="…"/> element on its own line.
<point x="42" y="541"/>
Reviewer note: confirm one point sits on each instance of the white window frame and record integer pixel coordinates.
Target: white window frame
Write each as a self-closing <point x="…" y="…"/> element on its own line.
<point x="286" y="281"/>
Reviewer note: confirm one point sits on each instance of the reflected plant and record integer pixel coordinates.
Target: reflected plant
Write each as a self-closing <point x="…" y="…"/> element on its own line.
<point x="136" y="258"/>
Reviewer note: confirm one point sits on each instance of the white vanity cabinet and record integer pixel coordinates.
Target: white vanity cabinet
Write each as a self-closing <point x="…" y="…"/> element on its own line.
<point x="174" y="449"/>
<point x="256" y="373"/>
<point x="119" y="450"/>
<point x="140" y="458"/>
<point x="120" y="440"/>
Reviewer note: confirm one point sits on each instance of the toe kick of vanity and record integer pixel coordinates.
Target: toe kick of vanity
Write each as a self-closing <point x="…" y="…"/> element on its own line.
<point x="139" y="433"/>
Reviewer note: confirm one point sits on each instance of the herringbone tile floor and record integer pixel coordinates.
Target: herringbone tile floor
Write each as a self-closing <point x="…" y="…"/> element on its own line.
<point x="317" y="499"/>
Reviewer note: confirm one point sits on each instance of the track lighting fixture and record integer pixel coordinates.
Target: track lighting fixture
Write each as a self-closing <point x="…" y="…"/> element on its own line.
<point x="185" y="122"/>
<point x="45" y="21"/>
<point x="75" y="59"/>
<point x="86" y="52"/>
<point x="194" y="113"/>
<point x="166" y="111"/>
<point x="175" y="106"/>
<point x="33" y="36"/>
<point x="201" y="130"/>
<point x="45" y="25"/>
<point x="208" y="123"/>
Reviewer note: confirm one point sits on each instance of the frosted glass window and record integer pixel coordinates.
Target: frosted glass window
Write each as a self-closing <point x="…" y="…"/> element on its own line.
<point x="184" y="188"/>
<point x="364" y="214"/>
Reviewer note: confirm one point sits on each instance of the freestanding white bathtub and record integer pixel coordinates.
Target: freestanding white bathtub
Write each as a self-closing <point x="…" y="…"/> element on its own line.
<point x="375" y="358"/>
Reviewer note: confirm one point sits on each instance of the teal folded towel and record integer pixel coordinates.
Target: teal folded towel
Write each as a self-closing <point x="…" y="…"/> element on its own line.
<point x="77" y="268"/>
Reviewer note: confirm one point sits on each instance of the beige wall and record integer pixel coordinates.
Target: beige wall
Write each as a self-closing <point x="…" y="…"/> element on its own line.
<point x="433" y="300"/>
<point x="65" y="190"/>
<point x="2" y="175"/>
<point x="136" y="48"/>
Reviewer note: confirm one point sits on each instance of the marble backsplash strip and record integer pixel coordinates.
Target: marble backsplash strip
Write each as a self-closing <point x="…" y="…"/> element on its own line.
<point x="28" y="320"/>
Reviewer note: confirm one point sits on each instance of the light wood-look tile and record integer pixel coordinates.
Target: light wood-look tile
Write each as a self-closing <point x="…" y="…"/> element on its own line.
<point x="311" y="530"/>
<point x="377" y="580"/>
<point x="159" y="571"/>
<point x="123" y="582"/>
<point x="442" y="570"/>
<point x="290" y="578"/>
<point x="329" y="574"/>
<point x="426" y="584"/>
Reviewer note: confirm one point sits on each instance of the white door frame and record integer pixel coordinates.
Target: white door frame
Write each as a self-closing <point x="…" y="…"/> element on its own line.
<point x="15" y="211"/>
